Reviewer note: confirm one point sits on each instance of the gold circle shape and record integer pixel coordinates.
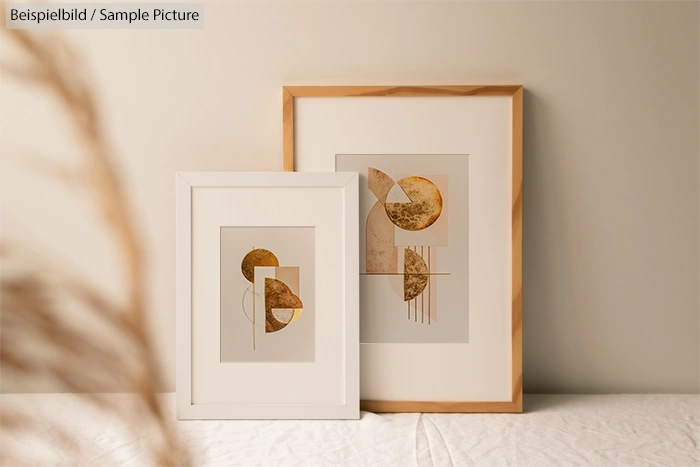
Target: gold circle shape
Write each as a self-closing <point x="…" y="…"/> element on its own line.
<point x="424" y="208"/>
<point x="257" y="257"/>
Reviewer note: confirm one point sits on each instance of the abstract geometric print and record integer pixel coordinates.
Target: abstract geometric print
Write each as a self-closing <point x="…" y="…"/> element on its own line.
<point x="275" y="290"/>
<point x="414" y="246"/>
<point x="267" y="294"/>
<point x="404" y="227"/>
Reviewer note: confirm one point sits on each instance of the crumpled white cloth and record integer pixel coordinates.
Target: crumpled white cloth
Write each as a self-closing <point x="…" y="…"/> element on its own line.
<point x="556" y="430"/>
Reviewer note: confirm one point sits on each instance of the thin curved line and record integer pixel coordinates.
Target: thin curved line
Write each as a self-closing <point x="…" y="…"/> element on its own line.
<point x="245" y="313"/>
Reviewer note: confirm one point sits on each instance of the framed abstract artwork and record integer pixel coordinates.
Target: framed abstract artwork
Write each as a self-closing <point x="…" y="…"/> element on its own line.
<point x="267" y="295"/>
<point x="440" y="235"/>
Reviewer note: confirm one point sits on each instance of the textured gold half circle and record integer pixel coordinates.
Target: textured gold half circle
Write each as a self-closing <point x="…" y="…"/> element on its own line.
<point x="415" y="275"/>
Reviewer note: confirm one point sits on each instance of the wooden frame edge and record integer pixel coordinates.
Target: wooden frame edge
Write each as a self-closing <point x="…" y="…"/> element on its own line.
<point x="287" y="130"/>
<point x="517" y="252"/>
<point x="516" y="93"/>
<point x="440" y="407"/>
<point x="402" y="91"/>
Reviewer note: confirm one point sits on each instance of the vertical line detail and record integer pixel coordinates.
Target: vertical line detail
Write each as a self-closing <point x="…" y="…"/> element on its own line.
<point x="429" y="285"/>
<point x="422" y="294"/>
<point x="415" y="299"/>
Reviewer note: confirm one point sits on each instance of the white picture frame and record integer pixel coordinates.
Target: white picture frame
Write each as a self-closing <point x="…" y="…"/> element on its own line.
<point x="328" y="387"/>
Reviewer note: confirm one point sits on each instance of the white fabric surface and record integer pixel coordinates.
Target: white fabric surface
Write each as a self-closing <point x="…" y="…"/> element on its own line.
<point x="556" y="430"/>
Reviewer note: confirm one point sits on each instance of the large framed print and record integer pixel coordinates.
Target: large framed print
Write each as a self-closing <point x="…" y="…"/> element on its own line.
<point x="440" y="235"/>
<point x="267" y="295"/>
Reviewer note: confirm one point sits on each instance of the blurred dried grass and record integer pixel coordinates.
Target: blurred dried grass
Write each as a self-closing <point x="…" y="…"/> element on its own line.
<point x="37" y="338"/>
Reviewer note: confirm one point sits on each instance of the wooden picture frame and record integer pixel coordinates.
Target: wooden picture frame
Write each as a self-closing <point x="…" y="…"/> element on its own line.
<point x="325" y="206"/>
<point x="515" y="93"/>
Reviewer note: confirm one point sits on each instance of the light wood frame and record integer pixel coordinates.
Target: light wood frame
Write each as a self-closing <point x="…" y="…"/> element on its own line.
<point x="347" y="182"/>
<point x="516" y="93"/>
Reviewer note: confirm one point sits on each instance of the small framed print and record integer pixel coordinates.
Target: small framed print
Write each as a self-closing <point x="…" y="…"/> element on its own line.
<point x="440" y="235"/>
<point x="267" y="295"/>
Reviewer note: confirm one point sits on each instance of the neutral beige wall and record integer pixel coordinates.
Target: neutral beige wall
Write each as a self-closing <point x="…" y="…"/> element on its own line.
<point x="611" y="153"/>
